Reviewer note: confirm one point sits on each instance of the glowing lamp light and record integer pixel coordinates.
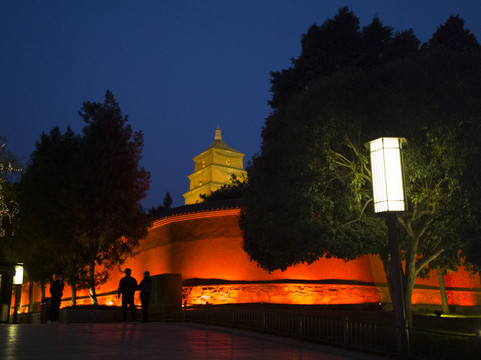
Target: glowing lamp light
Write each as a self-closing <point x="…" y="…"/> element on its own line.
<point x="18" y="279"/>
<point x="387" y="174"/>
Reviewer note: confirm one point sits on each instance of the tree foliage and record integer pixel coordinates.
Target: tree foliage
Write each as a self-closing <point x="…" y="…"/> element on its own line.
<point x="233" y="190"/>
<point x="470" y="185"/>
<point x="81" y="198"/>
<point x="309" y="190"/>
<point x="9" y="169"/>
<point x="114" y="184"/>
<point x="158" y="211"/>
<point x="339" y="45"/>
<point x="50" y="208"/>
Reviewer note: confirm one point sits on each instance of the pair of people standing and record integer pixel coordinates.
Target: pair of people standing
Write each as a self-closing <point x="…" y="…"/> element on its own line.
<point x="127" y="288"/>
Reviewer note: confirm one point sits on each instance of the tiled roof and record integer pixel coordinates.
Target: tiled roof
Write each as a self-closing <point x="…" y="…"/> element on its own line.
<point x="219" y="144"/>
<point x="203" y="206"/>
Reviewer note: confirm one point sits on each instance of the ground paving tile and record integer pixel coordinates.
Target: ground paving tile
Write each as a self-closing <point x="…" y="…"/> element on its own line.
<point x="169" y="341"/>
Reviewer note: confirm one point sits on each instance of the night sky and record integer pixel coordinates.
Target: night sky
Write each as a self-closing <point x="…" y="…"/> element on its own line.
<point x="178" y="68"/>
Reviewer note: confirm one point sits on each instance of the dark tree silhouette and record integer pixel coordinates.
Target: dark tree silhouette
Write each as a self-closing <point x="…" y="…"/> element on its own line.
<point x="309" y="189"/>
<point x="113" y="185"/>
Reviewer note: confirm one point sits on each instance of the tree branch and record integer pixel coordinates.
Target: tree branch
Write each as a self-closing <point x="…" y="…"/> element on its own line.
<point x="427" y="259"/>
<point x="360" y="215"/>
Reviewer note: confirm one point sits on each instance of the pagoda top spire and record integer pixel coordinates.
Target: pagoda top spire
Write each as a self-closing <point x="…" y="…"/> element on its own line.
<point x="218" y="134"/>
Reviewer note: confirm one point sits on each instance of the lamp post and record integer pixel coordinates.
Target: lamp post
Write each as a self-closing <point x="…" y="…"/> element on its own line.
<point x="17" y="281"/>
<point x="388" y="193"/>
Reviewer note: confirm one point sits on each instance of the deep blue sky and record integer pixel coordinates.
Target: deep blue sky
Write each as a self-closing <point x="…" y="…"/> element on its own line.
<point x="178" y="68"/>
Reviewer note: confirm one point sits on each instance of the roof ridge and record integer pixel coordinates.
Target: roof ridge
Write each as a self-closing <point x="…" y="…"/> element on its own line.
<point x="200" y="207"/>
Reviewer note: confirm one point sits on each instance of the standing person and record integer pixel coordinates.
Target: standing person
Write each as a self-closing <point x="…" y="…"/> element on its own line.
<point x="56" y="292"/>
<point x="127" y="287"/>
<point x="145" y="288"/>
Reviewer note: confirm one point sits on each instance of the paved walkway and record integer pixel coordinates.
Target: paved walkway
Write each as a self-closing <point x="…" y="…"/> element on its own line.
<point x="168" y="341"/>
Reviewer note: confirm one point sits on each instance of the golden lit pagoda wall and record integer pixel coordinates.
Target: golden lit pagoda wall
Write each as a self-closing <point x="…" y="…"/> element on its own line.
<point x="212" y="169"/>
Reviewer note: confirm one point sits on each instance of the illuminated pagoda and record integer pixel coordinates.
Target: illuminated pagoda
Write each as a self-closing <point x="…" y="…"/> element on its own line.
<point x="214" y="168"/>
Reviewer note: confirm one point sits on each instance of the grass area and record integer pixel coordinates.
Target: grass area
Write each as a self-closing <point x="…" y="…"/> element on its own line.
<point x="465" y="324"/>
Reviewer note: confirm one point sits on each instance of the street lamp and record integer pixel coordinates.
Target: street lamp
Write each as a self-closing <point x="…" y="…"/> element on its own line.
<point x="389" y="198"/>
<point x="387" y="174"/>
<point x="18" y="278"/>
<point x="17" y="281"/>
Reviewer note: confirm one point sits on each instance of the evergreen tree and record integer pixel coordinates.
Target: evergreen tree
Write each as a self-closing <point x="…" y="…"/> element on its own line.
<point x="113" y="186"/>
<point x="337" y="46"/>
<point x="47" y="236"/>
<point x="80" y="199"/>
<point x="167" y="200"/>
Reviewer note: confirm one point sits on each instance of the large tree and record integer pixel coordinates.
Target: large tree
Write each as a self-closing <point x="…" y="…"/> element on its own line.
<point x="47" y="236"/>
<point x="470" y="184"/>
<point x="114" y="184"/>
<point x="80" y="199"/>
<point x="339" y="45"/>
<point x="309" y="189"/>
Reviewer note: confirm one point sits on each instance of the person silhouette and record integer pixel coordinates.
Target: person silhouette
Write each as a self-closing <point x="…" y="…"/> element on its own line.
<point x="145" y="288"/>
<point x="56" y="292"/>
<point x="127" y="288"/>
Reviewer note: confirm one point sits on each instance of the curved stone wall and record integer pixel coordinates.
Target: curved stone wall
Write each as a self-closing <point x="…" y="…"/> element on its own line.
<point x="205" y="247"/>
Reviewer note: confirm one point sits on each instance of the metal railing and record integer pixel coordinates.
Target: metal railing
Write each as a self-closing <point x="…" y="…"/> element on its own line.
<point x="337" y="331"/>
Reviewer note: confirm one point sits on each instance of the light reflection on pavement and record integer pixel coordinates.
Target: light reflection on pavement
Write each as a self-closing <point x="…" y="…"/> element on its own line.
<point x="169" y="341"/>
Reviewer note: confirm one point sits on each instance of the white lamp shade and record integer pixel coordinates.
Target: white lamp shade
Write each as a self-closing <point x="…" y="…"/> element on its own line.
<point x="18" y="278"/>
<point x="387" y="174"/>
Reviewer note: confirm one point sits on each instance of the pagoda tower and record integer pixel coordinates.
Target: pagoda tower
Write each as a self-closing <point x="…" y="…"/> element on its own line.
<point x="213" y="168"/>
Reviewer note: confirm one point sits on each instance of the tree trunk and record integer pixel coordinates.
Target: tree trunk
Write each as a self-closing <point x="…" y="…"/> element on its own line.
<point x="442" y="289"/>
<point x="42" y="289"/>
<point x="407" y="292"/>
<point x="73" y="301"/>
<point x="31" y="307"/>
<point x="93" y="295"/>
<point x="387" y="273"/>
<point x="410" y="275"/>
<point x="410" y="278"/>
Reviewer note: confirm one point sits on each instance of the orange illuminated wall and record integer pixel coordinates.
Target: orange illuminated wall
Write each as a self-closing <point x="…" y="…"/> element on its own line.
<point x="207" y="245"/>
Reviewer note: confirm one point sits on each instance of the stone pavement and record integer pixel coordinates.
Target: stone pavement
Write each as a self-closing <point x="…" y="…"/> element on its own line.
<point x="169" y="341"/>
